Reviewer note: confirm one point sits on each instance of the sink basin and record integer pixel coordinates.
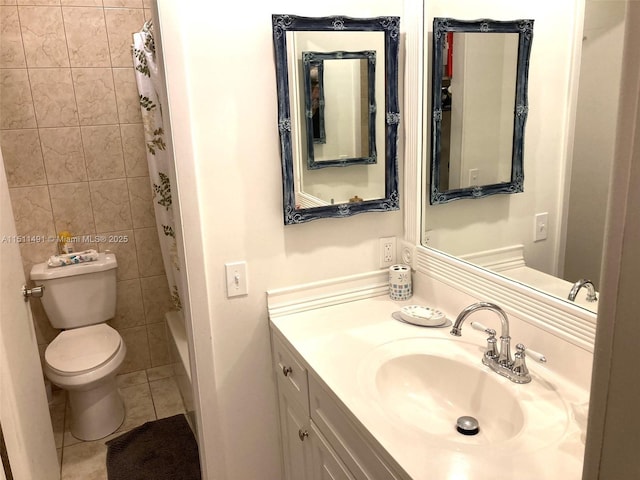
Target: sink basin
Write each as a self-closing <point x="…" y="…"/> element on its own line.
<point x="423" y="385"/>
<point x="432" y="392"/>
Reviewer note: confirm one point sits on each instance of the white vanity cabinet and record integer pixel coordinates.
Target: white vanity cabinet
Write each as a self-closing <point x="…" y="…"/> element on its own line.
<point x="293" y="401"/>
<point x="319" y="440"/>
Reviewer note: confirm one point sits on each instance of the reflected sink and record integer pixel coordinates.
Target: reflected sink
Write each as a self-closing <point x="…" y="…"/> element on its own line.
<point x="431" y="392"/>
<point x="423" y="385"/>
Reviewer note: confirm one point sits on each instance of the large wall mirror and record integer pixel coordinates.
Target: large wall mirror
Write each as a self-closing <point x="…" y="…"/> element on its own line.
<point x="479" y="107"/>
<point x="338" y="114"/>
<point x="550" y="236"/>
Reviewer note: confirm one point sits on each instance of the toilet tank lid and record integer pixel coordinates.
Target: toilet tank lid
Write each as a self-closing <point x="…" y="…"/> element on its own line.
<point x="41" y="271"/>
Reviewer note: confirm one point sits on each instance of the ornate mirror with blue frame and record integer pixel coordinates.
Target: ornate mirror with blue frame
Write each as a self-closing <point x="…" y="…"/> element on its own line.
<point x="353" y="65"/>
<point x="479" y="107"/>
<point x="346" y="126"/>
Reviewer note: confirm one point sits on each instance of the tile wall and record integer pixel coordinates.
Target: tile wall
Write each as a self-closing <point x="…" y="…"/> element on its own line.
<point x="74" y="152"/>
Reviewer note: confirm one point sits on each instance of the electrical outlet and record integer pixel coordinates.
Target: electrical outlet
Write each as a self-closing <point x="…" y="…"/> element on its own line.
<point x="428" y="236"/>
<point x="474" y="177"/>
<point x="540" y="226"/>
<point x="387" y="251"/>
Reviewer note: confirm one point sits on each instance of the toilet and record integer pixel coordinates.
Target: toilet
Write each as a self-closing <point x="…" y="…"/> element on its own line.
<point x="85" y="357"/>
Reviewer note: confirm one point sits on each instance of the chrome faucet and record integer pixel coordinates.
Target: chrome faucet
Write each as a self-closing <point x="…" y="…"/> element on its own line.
<point x="591" y="291"/>
<point x="498" y="360"/>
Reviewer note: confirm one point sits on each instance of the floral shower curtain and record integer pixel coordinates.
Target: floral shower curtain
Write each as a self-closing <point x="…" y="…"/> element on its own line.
<point x="158" y="158"/>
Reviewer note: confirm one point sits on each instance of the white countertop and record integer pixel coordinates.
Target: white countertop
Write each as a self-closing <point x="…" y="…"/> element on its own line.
<point x="338" y="343"/>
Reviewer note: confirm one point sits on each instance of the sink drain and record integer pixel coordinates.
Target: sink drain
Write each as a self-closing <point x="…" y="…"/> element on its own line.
<point x="467" y="425"/>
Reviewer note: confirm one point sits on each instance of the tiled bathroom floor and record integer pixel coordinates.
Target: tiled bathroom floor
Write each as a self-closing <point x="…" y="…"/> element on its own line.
<point x="148" y="395"/>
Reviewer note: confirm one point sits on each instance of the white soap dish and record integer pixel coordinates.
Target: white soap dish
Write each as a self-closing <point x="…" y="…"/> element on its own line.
<point x="422" y="316"/>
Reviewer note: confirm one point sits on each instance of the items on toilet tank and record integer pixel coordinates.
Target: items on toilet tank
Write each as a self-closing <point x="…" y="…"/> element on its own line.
<point x="65" y="242"/>
<point x="400" y="287"/>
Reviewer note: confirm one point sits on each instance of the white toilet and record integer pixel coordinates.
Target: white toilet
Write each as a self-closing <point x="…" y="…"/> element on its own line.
<point x="84" y="358"/>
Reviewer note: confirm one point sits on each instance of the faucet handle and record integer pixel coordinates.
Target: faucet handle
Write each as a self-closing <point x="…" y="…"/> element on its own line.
<point x="537" y="356"/>
<point x="519" y="370"/>
<point x="482" y="328"/>
<point x="491" y="353"/>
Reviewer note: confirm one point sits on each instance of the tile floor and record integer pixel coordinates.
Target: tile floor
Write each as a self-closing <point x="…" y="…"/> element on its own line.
<point x="148" y="395"/>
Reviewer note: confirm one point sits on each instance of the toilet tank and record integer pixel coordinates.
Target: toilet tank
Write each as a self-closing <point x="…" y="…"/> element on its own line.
<point x="78" y="295"/>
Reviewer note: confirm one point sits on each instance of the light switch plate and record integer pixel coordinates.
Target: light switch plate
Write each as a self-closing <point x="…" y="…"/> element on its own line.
<point x="541" y="226"/>
<point x="237" y="282"/>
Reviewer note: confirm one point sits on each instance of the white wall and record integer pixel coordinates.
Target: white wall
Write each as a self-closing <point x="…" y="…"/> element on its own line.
<point x="484" y="78"/>
<point x="474" y="225"/>
<point x="611" y="450"/>
<point x="596" y="123"/>
<point x="222" y="97"/>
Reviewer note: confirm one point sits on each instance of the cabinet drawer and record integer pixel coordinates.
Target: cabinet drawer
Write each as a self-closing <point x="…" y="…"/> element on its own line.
<point x="292" y="376"/>
<point x="326" y="464"/>
<point x="343" y="435"/>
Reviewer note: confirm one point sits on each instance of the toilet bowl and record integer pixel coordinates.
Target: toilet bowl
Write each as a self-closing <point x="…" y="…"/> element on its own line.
<point x="84" y="361"/>
<point x="85" y="356"/>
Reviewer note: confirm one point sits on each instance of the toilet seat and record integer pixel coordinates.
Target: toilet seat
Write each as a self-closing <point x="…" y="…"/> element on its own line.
<point x="80" y="350"/>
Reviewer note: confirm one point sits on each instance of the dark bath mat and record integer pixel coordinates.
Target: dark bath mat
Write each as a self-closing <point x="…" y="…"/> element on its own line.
<point x="160" y="450"/>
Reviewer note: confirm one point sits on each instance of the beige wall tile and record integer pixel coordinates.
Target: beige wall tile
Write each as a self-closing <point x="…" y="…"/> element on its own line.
<point x="142" y="212"/>
<point x="111" y="207"/>
<point x="50" y="159"/>
<point x="32" y="210"/>
<point x="123" y="245"/>
<point x="95" y="96"/>
<point x="127" y="95"/>
<point x="39" y="2"/>
<point x="53" y="97"/>
<point x="148" y="14"/>
<point x="71" y="204"/>
<point x="156" y="298"/>
<point x="135" y="151"/>
<point x="43" y="36"/>
<point x="22" y="157"/>
<point x="147" y="3"/>
<point x="86" y="36"/>
<point x="149" y="254"/>
<point x="37" y="252"/>
<point x="158" y="346"/>
<point x="11" y="51"/>
<point x="123" y="3"/>
<point x="63" y="155"/>
<point x="16" y="105"/>
<point x="138" y="357"/>
<point x="103" y="152"/>
<point x="129" y="307"/>
<point x="81" y="3"/>
<point x="122" y="23"/>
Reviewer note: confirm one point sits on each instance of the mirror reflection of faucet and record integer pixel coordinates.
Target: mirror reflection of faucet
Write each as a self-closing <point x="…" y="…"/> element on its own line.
<point x="588" y="284"/>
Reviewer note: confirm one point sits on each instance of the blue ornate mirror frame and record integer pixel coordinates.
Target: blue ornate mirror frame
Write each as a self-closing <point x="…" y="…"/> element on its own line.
<point x="314" y="92"/>
<point x="390" y="28"/>
<point x="316" y="129"/>
<point x="440" y="100"/>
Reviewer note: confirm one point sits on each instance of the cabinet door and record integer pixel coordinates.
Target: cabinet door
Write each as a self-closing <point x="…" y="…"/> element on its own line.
<point x="294" y="427"/>
<point x="326" y="464"/>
